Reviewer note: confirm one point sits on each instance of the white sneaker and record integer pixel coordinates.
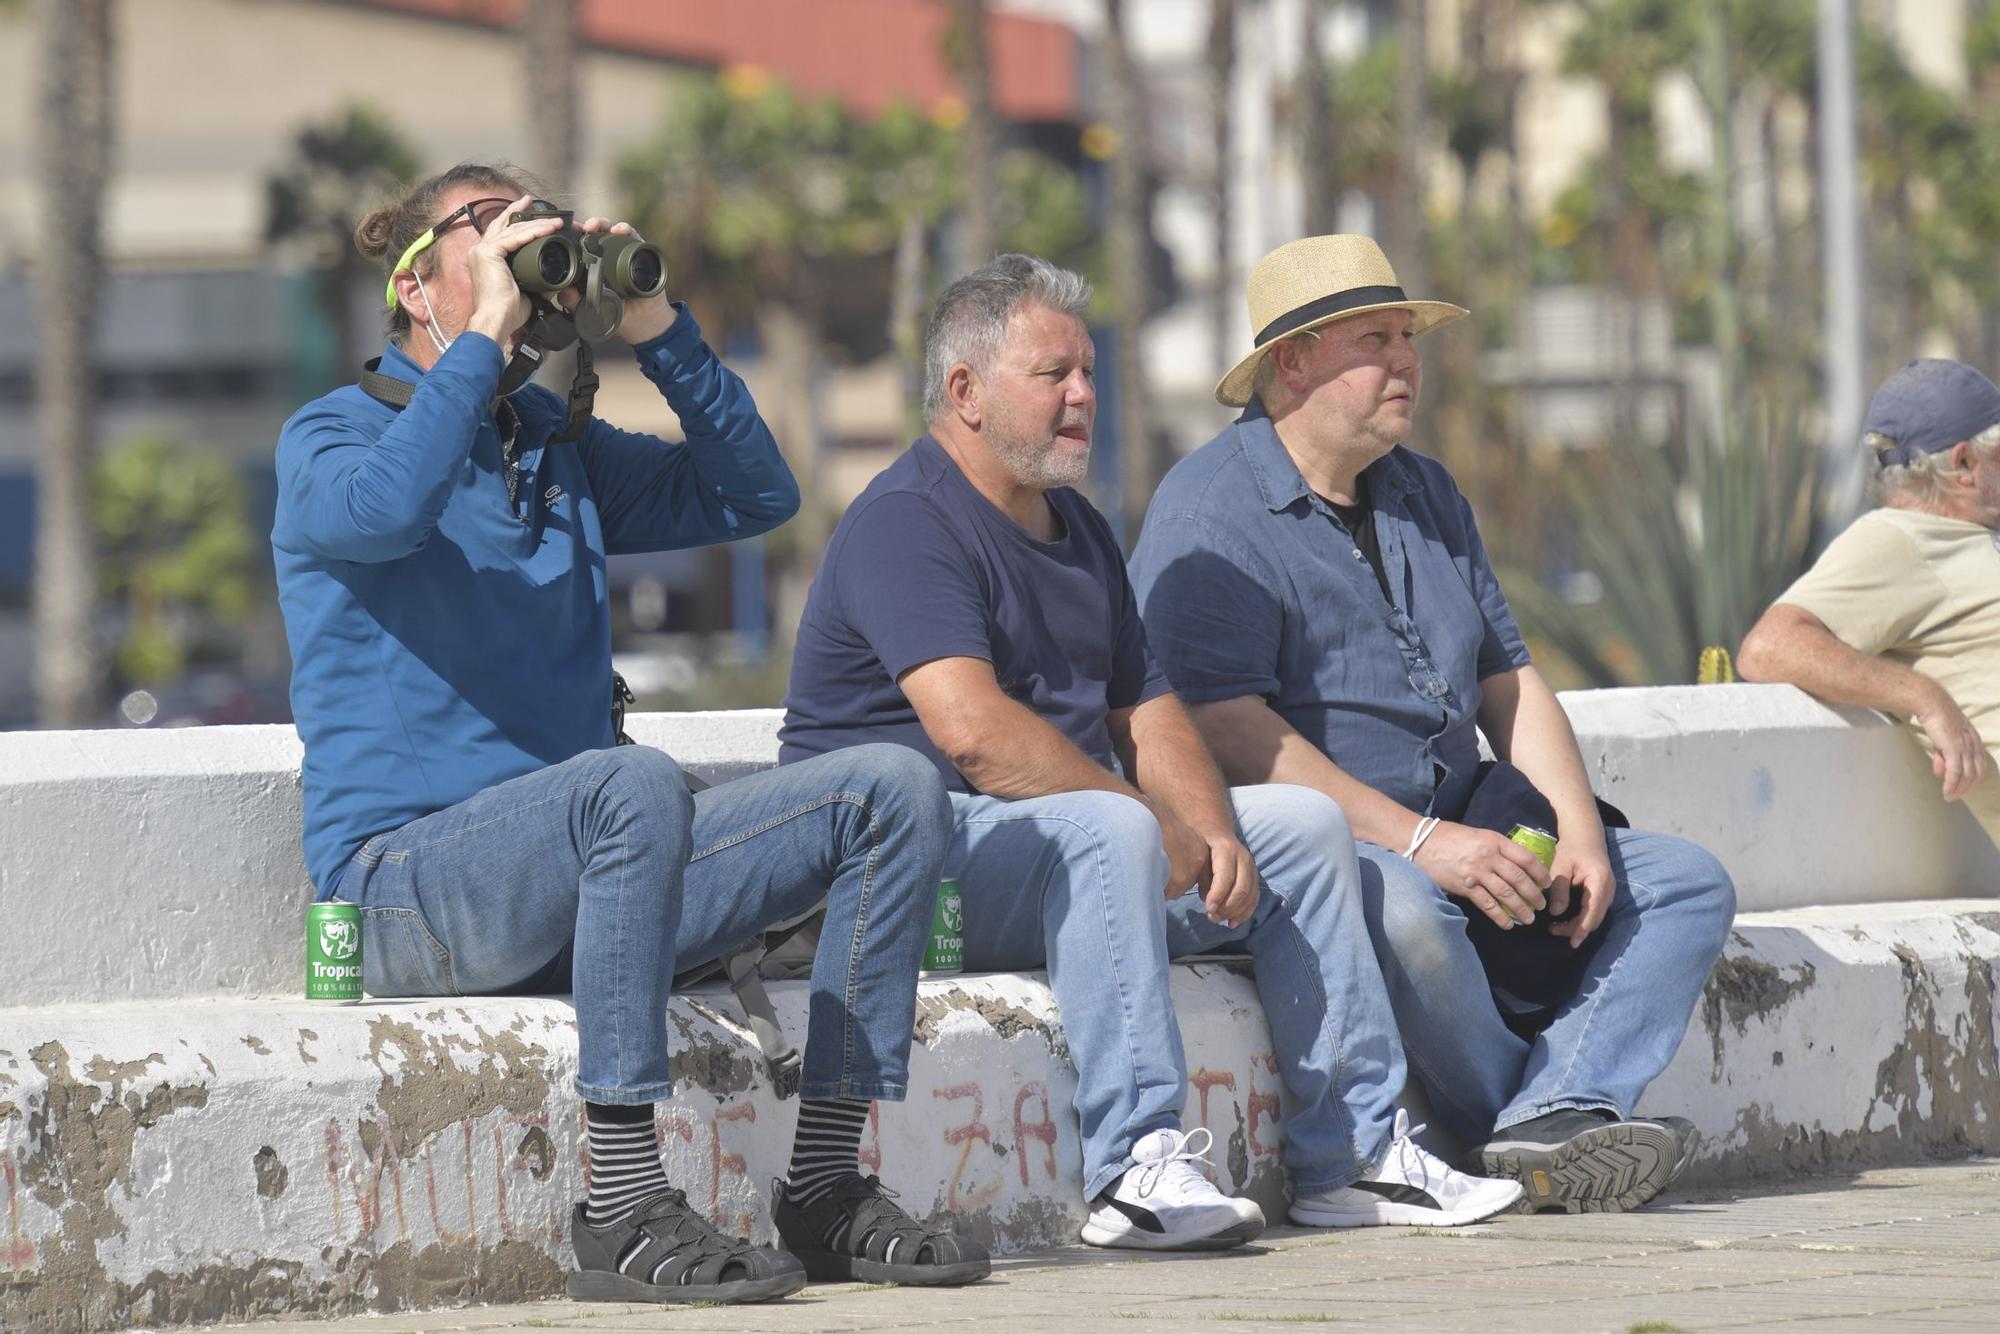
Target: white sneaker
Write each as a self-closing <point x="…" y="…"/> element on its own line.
<point x="1165" y="1203"/>
<point x="1410" y="1187"/>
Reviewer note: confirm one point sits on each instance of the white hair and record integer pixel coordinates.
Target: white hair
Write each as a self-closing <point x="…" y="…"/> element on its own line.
<point x="971" y="317"/>
<point x="1924" y="483"/>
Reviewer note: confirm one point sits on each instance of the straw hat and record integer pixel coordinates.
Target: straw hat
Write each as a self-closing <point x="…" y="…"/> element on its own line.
<point x="1306" y="283"/>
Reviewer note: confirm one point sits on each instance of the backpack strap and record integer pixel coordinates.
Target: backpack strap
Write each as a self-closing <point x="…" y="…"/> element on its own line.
<point x="782" y="1060"/>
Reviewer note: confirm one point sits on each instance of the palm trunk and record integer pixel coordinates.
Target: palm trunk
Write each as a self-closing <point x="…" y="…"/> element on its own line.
<point x="1221" y="93"/>
<point x="548" y="68"/>
<point x="978" y="241"/>
<point x="1130" y="241"/>
<point x="1405" y="239"/>
<point x="1322" y="182"/>
<point x="789" y="341"/>
<point x="906" y="318"/>
<point x="74" y="142"/>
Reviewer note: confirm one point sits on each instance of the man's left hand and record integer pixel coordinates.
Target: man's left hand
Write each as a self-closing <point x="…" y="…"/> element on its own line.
<point x="1582" y="866"/>
<point x="645" y="318"/>
<point x="1231" y="892"/>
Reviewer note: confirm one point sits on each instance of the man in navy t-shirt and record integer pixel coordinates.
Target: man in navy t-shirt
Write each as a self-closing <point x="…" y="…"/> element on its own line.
<point x="973" y="606"/>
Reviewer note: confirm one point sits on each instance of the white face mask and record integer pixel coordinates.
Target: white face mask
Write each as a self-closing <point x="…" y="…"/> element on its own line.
<point x="430" y="325"/>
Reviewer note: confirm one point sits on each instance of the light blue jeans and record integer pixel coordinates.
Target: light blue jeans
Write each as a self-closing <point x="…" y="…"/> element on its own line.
<point x="604" y="876"/>
<point x="1666" y="927"/>
<point x="1075" y="882"/>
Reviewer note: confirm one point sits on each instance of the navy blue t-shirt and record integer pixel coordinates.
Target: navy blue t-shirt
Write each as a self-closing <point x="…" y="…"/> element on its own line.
<point x="924" y="567"/>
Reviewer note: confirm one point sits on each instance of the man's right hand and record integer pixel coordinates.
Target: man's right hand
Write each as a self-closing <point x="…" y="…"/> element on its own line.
<point x="499" y="306"/>
<point x="1187" y="852"/>
<point x="1959" y="757"/>
<point x="1490" y="871"/>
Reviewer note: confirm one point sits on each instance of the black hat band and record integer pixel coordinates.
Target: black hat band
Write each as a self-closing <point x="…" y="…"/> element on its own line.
<point x="1337" y="304"/>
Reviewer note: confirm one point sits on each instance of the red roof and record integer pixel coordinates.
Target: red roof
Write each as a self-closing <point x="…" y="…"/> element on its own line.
<point x="868" y="53"/>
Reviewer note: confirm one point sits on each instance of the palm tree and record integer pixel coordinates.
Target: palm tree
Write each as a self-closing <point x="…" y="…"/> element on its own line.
<point x="73" y="160"/>
<point x="1126" y="264"/>
<point x="309" y="208"/>
<point x="1404" y="239"/>
<point x="1316" y="154"/>
<point x="967" y="48"/>
<point x="1221" y="92"/>
<point x="548" y="70"/>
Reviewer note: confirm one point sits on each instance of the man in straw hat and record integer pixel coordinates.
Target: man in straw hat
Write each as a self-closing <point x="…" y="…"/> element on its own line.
<point x="973" y="606"/>
<point x="1902" y="612"/>
<point x="1319" y="595"/>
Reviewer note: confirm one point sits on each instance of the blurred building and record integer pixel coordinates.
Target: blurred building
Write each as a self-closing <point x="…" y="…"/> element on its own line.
<point x="213" y="335"/>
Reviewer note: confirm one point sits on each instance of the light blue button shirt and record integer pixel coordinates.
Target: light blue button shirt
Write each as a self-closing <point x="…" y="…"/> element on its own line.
<point x="1250" y="585"/>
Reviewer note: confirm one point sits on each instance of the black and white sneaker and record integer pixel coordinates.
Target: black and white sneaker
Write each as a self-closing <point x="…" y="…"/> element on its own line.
<point x="1584" y="1161"/>
<point x="1409" y="1187"/>
<point x="1165" y="1203"/>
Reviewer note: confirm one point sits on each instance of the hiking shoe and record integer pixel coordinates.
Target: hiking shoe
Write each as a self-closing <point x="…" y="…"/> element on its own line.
<point x="663" y="1251"/>
<point x="1163" y="1202"/>
<point x="856" y="1232"/>
<point x="1583" y="1161"/>
<point x="1687" y="1138"/>
<point x="1409" y="1187"/>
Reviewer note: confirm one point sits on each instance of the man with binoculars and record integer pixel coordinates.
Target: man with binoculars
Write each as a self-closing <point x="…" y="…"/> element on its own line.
<point x="440" y="541"/>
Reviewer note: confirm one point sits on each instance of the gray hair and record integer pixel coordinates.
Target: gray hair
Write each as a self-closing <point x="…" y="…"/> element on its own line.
<point x="1924" y="482"/>
<point x="1265" y="377"/>
<point x="971" y="317"/>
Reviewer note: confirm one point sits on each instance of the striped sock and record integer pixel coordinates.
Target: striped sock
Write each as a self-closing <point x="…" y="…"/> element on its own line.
<point x="826" y="1147"/>
<point x="624" y="1160"/>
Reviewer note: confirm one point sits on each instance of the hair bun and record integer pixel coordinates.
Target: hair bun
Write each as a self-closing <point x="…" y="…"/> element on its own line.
<point x="371" y="237"/>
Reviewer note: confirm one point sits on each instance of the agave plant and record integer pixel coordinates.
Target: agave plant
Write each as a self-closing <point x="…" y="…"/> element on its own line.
<point x="1685" y="558"/>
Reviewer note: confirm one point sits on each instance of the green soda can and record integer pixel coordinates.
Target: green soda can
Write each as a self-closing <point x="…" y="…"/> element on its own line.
<point x="333" y="952"/>
<point x="1538" y="841"/>
<point x="945" y="951"/>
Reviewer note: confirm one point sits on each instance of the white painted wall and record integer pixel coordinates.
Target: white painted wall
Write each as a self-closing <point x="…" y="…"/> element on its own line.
<point x="143" y="865"/>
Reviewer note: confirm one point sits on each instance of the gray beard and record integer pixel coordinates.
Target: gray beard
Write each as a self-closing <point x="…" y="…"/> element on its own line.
<point x="1038" y="466"/>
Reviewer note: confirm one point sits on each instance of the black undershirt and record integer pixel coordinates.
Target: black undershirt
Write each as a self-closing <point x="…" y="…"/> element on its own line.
<point x="1359" y="520"/>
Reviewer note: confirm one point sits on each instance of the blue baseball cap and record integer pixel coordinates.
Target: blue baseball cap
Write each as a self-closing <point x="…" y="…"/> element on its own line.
<point x="1929" y="405"/>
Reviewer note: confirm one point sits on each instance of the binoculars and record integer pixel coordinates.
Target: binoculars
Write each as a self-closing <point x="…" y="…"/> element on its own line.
<point x="605" y="268"/>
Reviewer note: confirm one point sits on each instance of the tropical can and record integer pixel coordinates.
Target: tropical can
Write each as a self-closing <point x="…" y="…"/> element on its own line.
<point x="945" y="951"/>
<point x="1538" y="841"/>
<point x="333" y="952"/>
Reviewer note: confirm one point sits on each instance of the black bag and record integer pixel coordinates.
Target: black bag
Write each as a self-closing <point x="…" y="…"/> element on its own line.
<point x="1531" y="973"/>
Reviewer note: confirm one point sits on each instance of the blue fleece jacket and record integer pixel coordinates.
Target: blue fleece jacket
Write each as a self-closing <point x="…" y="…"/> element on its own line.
<point x="444" y="640"/>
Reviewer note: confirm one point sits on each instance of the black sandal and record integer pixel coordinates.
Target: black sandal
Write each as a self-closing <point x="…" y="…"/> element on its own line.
<point x="663" y="1251"/>
<point x="855" y="1233"/>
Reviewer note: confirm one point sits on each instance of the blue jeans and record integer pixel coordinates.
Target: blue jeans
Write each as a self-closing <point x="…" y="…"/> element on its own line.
<point x="604" y="876"/>
<point x="1666" y="927"/>
<point x="1075" y="881"/>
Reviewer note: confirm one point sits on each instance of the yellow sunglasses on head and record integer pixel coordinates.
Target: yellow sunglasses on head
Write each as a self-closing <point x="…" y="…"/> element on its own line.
<point x="479" y="212"/>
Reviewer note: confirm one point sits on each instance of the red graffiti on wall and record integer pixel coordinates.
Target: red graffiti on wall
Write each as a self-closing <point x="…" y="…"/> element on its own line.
<point x="729" y="1164"/>
<point x="1025" y="1130"/>
<point x="19" y="1252"/>
<point x="1262" y="1106"/>
<point x="973" y="1131"/>
<point x="871" y="1152"/>
<point x="445" y="1234"/>
<point x="1206" y="1079"/>
<point x="343" y="1171"/>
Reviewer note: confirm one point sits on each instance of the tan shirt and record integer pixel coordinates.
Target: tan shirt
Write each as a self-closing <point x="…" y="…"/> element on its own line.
<point x="1924" y="591"/>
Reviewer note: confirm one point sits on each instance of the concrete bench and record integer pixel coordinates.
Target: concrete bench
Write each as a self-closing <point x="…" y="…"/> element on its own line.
<point x="181" y="1139"/>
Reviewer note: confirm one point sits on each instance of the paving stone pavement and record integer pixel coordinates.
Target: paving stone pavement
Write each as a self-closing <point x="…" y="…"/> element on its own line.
<point x="1915" y="1248"/>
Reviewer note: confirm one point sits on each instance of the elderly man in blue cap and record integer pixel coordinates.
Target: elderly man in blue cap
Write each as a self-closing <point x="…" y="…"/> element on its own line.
<point x="1902" y="612"/>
